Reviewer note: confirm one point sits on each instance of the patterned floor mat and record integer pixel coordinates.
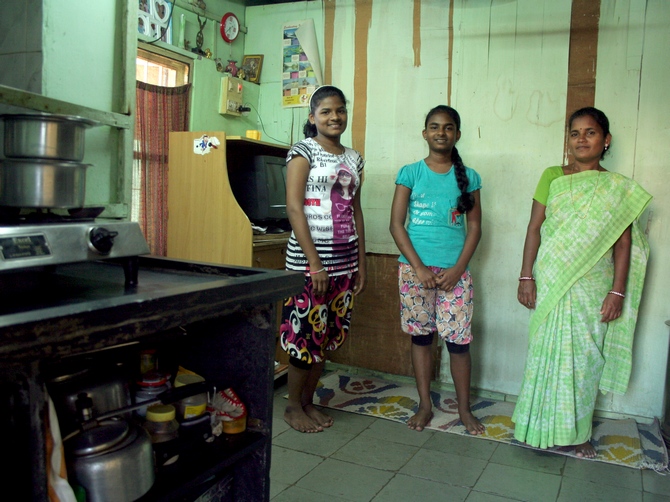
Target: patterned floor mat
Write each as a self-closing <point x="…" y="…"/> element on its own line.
<point x="623" y="442"/>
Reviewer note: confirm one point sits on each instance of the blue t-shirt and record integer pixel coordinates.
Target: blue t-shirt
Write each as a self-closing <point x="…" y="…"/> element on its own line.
<point x="435" y="227"/>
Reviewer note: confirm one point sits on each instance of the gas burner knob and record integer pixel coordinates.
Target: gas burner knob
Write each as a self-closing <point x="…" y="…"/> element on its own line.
<point x="101" y="240"/>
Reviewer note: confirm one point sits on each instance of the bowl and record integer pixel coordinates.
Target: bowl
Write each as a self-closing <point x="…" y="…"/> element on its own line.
<point x="45" y="136"/>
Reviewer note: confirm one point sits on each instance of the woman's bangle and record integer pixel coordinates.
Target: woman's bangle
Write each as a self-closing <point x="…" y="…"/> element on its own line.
<point x="526" y="278"/>
<point x="317" y="271"/>
<point x="616" y="293"/>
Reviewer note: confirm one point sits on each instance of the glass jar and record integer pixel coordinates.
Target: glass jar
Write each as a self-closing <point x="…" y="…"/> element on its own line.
<point x="163" y="429"/>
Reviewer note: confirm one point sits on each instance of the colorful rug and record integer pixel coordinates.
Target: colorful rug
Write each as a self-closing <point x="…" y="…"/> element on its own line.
<point x="623" y="442"/>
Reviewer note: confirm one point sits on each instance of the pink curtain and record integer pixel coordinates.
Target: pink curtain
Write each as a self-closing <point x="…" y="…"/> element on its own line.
<point x="160" y="110"/>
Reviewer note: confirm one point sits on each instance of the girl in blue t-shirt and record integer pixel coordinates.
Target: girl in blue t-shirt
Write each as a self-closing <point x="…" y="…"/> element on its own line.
<point x="440" y="198"/>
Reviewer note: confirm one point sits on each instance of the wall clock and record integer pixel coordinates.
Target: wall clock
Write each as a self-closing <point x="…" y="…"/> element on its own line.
<point x="230" y="27"/>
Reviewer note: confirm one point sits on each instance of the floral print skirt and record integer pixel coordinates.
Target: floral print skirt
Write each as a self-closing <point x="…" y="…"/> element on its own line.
<point x="312" y="325"/>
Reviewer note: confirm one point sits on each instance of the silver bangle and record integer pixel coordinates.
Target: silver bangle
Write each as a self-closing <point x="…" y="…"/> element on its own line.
<point x="616" y="293"/>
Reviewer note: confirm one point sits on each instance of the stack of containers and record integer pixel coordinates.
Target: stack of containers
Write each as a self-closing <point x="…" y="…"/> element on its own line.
<point x="194" y="419"/>
<point x="43" y="166"/>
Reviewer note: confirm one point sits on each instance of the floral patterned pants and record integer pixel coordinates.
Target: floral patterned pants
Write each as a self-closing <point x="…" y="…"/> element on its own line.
<point x="424" y="311"/>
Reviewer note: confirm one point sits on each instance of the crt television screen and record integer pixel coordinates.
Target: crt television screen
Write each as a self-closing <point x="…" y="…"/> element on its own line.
<point x="261" y="188"/>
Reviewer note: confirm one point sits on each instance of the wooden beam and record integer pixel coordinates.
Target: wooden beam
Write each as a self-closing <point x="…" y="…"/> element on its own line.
<point x="37" y="102"/>
<point x="583" y="58"/>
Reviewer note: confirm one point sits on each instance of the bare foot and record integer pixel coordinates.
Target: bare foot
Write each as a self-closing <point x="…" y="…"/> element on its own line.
<point x="319" y="417"/>
<point x="420" y="420"/>
<point x="298" y="419"/>
<point x="586" y="450"/>
<point x="472" y="424"/>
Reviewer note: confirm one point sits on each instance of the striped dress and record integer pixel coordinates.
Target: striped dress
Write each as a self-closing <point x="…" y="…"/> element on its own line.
<point x="332" y="183"/>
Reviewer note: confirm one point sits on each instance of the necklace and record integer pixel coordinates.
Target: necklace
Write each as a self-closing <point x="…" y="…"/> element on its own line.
<point x="595" y="189"/>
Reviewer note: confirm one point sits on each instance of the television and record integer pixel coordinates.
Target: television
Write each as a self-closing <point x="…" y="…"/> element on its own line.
<point x="260" y="190"/>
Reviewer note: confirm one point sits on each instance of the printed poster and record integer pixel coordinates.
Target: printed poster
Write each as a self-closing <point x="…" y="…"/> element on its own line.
<point x="301" y="70"/>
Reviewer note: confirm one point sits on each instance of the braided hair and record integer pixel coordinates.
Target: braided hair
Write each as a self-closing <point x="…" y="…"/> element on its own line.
<point x="600" y="118"/>
<point x="466" y="201"/>
<point x="323" y="92"/>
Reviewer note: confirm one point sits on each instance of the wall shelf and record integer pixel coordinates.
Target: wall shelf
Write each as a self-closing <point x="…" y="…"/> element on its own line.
<point x="38" y="102"/>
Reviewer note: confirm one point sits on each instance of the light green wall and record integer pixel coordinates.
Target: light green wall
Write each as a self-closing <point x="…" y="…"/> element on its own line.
<point x="509" y="82"/>
<point x="206" y="80"/>
<point x="81" y="47"/>
<point x="80" y="43"/>
<point x="205" y="102"/>
<point x="281" y="125"/>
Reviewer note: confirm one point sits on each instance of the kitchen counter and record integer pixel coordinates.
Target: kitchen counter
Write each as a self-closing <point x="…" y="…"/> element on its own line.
<point x="219" y="320"/>
<point x="86" y="306"/>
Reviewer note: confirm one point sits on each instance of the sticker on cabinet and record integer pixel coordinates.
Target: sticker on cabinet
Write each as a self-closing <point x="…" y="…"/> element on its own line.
<point x="204" y="144"/>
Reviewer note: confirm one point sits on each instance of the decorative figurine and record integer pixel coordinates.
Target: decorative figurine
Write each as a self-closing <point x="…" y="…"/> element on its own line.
<point x="232" y="68"/>
<point x="219" y="65"/>
<point x="199" y="39"/>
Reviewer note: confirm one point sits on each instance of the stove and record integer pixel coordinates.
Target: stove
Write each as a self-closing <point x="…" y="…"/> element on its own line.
<point x="42" y="239"/>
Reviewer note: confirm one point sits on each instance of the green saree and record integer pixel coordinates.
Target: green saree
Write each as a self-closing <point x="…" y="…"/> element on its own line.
<point x="571" y="354"/>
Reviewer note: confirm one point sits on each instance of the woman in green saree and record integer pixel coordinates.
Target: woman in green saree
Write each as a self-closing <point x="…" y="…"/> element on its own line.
<point x="584" y="261"/>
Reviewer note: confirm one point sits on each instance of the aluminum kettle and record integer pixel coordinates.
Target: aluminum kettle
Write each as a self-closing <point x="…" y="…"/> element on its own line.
<point x="111" y="459"/>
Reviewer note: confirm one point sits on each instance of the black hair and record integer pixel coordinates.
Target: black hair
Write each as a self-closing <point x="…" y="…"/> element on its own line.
<point x="595" y="114"/>
<point x="466" y="201"/>
<point x="323" y="92"/>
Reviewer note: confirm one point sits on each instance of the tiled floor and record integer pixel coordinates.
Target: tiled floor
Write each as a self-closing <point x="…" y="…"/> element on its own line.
<point x="363" y="458"/>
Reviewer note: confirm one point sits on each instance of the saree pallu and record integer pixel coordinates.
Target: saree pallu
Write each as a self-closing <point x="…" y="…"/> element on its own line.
<point x="571" y="354"/>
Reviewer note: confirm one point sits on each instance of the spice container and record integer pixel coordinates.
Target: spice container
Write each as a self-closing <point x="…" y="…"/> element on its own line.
<point x="196" y="430"/>
<point x="231" y="413"/>
<point x="163" y="428"/>
<point x="149" y="388"/>
<point x="193" y="406"/>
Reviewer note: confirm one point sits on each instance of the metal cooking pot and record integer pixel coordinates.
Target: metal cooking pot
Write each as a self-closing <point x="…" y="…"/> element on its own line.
<point x="45" y="136"/>
<point x="107" y="386"/>
<point x="42" y="183"/>
<point x="113" y="461"/>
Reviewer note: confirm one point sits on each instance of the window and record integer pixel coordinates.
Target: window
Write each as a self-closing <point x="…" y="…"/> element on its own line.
<point x="159" y="67"/>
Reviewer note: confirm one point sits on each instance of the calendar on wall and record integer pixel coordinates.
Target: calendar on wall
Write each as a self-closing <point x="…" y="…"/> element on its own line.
<point x="154" y="19"/>
<point x="301" y="67"/>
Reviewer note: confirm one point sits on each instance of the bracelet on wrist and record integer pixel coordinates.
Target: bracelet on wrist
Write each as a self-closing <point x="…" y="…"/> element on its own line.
<point x="317" y="271"/>
<point x="616" y="293"/>
<point x="526" y="278"/>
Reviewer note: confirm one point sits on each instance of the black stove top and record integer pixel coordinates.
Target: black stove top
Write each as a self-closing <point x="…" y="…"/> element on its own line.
<point x="11" y="216"/>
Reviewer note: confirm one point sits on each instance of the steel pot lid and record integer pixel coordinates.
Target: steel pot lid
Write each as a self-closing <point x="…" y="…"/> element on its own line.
<point x="49" y="117"/>
<point x="98" y="439"/>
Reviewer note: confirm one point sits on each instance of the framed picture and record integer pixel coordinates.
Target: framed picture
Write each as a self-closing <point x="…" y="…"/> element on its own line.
<point x="161" y="11"/>
<point x="252" y="67"/>
<point x="154" y="19"/>
<point x="144" y="25"/>
<point x="145" y="6"/>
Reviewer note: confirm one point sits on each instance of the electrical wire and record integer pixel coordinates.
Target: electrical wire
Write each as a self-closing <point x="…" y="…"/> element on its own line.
<point x="265" y="133"/>
<point x="163" y="29"/>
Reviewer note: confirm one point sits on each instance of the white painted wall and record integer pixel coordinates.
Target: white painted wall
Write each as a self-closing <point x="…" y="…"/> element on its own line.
<point x="509" y="84"/>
